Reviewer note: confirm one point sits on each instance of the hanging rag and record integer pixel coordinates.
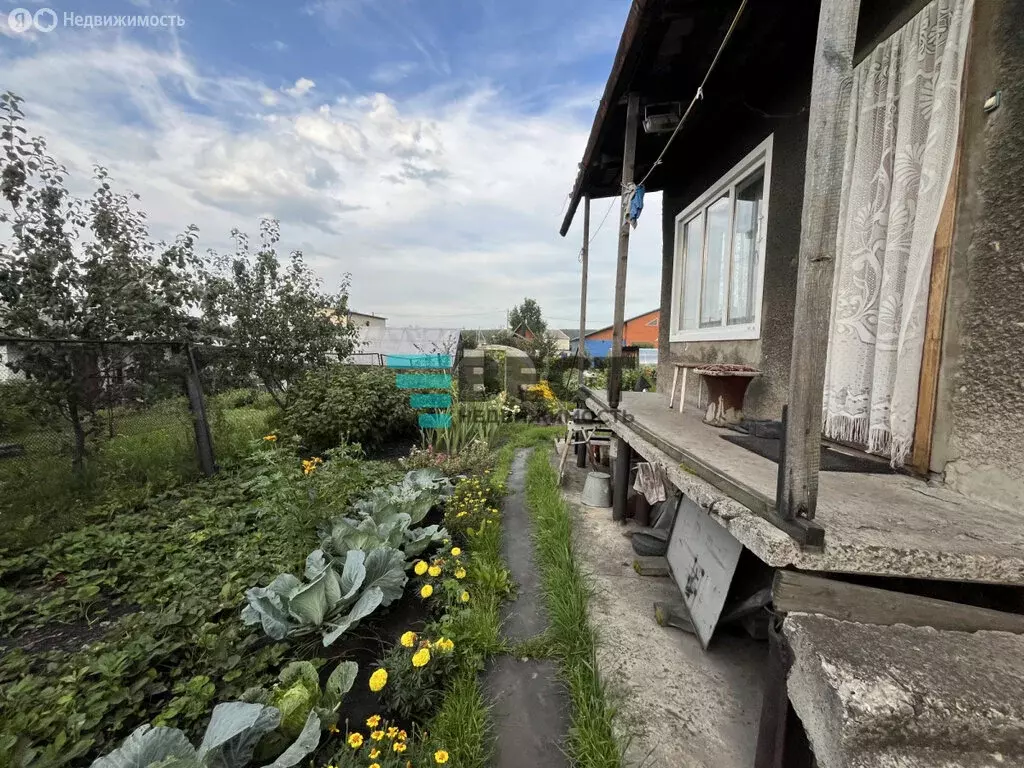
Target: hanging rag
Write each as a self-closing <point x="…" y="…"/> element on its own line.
<point x="634" y="204"/>
<point x="650" y="481"/>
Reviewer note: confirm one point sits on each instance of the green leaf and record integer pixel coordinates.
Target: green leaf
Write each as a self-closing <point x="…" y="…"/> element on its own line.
<point x="147" y="745"/>
<point x="354" y="573"/>
<point x="363" y="607"/>
<point x="385" y="569"/>
<point x="339" y="683"/>
<point x="308" y="605"/>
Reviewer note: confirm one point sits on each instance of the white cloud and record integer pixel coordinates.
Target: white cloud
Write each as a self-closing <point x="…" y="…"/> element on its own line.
<point x="302" y="86"/>
<point x="445" y="210"/>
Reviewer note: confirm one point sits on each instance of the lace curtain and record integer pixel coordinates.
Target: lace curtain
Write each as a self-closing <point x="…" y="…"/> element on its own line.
<point x="904" y="116"/>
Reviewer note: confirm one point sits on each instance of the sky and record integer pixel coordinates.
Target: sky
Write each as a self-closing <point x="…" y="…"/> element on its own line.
<point x="427" y="148"/>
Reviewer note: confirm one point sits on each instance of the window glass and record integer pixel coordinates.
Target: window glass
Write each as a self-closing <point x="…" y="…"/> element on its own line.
<point x="716" y="249"/>
<point x="693" y="241"/>
<point x="746" y="230"/>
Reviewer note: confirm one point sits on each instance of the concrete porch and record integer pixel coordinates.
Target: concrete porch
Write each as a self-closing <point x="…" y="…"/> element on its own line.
<point x="875" y="524"/>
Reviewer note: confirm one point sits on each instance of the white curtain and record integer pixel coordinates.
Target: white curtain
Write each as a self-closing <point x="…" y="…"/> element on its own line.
<point x="901" y="142"/>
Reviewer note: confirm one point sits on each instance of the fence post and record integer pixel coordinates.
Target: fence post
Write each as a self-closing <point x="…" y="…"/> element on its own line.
<point x="204" y="442"/>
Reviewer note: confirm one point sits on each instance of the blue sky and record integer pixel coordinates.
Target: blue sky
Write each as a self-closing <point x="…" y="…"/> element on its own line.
<point x="426" y="148"/>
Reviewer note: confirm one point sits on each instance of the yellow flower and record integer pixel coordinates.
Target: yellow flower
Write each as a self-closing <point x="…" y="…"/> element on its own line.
<point x="392" y="732"/>
<point x="374" y="765"/>
<point x="420" y="568"/>
<point x="460" y="573"/>
<point x="440" y="757"/>
<point x="333" y="729"/>
<point x="271" y="438"/>
<point x="421" y="657"/>
<point x="434" y="570"/>
<point x="464" y="597"/>
<point x="456" y="551"/>
<point x="399" y="747"/>
<point x="375" y="753"/>
<point x="377" y="736"/>
<point x="373" y="722"/>
<point x="355" y="740"/>
<point x="408" y="640"/>
<point x="378" y="680"/>
<point x="402" y="735"/>
<point x="427" y="591"/>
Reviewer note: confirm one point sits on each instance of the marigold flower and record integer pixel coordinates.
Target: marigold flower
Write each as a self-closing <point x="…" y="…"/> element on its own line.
<point x="270" y="438"/>
<point x="373" y="721"/>
<point x="355" y="740"/>
<point x="378" y="680"/>
<point x="427" y="591"/>
<point x="374" y="765"/>
<point x="333" y="729"/>
<point x="392" y="732"/>
<point x="421" y="657"/>
<point x="420" y="568"/>
<point x="402" y="735"/>
<point x="399" y="747"/>
<point x="375" y="753"/>
<point x="434" y="570"/>
<point x="456" y="551"/>
<point x="440" y="757"/>
<point x="460" y="573"/>
<point x="408" y="640"/>
<point x="464" y="597"/>
<point x="376" y="736"/>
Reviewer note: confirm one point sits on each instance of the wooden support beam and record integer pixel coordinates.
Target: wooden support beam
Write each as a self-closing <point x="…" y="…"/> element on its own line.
<point x="197" y="404"/>
<point x="800" y="592"/>
<point x="830" y="106"/>
<point x="620" y="489"/>
<point x="651" y="566"/>
<point x="584" y="258"/>
<point x="628" y="156"/>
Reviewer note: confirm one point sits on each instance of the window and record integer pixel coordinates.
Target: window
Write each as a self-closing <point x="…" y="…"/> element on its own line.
<point x="719" y="260"/>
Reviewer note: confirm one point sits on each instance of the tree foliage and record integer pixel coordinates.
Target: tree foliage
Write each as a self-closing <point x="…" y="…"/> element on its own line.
<point x="527" y="317"/>
<point x="277" y="316"/>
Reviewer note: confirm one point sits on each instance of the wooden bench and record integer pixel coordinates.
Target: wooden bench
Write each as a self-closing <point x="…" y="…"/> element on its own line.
<point x="685" y="368"/>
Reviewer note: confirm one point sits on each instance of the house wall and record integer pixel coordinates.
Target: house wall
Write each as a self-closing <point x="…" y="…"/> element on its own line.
<point x="771" y="353"/>
<point x="978" y="442"/>
<point x="637" y="330"/>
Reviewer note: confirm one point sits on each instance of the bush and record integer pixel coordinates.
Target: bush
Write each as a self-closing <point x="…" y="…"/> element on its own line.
<point x="417" y="670"/>
<point x="473" y="459"/>
<point x="473" y="502"/>
<point x="350" y="404"/>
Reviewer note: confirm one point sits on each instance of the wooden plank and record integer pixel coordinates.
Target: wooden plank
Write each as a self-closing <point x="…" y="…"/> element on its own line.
<point x="618" y="321"/>
<point x="830" y="106"/>
<point x="651" y="566"/>
<point x="674" y="615"/>
<point x="584" y="258"/>
<point x="931" y="354"/>
<point x="795" y="591"/>
<point x="620" y="482"/>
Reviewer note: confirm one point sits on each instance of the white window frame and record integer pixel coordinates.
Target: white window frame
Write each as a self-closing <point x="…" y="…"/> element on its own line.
<point x="760" y="156"/>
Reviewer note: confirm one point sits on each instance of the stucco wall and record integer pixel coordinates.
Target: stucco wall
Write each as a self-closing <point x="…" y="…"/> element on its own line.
<point x="770" y="353"/>
<point x="979" y="439"/>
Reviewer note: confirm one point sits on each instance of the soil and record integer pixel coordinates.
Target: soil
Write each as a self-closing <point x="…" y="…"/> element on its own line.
<point x="678" y="705"/>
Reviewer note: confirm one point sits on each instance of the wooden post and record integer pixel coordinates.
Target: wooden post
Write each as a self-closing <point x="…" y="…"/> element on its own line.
<point x="620" y="489"/>
<point x="830" y="106"/>
<point x="628" y="156"/>
<point x="204" y="442"/>
<point x="581" y="356"/>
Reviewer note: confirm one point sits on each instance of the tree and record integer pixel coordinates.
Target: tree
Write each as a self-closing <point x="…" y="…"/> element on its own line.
<point x="79" y="270"/>
<point x="276" y="317"/>
<point x="527" y="317"/>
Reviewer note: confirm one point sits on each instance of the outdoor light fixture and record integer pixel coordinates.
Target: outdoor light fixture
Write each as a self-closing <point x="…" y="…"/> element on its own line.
<point x="662" y="118"/>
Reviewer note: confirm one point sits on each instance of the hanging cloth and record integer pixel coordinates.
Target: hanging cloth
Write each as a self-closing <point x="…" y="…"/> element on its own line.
<point x="900" y="147"/>
<point x="650" y="481"/>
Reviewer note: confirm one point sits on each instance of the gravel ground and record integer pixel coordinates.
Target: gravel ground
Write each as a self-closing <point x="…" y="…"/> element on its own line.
<point x="679" y="706"/>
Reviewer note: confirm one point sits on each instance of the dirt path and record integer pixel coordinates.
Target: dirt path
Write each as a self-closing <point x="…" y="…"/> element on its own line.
<point x="530" y="705"/>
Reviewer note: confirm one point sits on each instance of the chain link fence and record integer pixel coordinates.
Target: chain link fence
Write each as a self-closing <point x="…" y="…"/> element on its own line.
<point x="80" y="418"/>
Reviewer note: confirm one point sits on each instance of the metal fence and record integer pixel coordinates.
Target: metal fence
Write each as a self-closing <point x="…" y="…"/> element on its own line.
<point x="78" y="416"/>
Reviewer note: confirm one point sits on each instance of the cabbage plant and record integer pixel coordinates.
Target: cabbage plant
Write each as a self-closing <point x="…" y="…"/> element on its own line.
<point x="328" y="601"/>
<point x="234" y="731"/>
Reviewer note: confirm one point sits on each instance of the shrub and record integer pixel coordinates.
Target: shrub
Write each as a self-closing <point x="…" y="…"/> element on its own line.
<point x="473" y="502"/>
<point x="350" y="404"/>
<point x="473" y="459"/>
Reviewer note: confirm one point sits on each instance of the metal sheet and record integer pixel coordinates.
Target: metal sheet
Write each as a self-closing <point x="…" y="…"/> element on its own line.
<point x="703" y="557"/>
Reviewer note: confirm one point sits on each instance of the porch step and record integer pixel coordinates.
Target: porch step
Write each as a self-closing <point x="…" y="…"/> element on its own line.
<point x="875" y="696"/>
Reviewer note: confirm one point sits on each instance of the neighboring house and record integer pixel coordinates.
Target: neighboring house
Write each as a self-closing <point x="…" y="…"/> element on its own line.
<point x="377" y="342"/>
<point x="7" y="355"/>
<point x="841" y="214"/>
<point x="642" y="329"/>
<point x="560" y="339"/>
<point x="363" y="320"/>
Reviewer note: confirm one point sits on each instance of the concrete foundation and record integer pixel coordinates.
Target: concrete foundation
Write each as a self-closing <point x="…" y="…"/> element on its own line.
<point x="907" y="697"/>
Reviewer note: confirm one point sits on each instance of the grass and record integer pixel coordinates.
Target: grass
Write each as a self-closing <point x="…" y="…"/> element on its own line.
<point x="572" y="640"/>
<point x="152" y="450"/>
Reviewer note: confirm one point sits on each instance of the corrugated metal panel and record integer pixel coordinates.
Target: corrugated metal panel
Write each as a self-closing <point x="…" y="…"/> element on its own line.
<point x="378" y="342"/>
